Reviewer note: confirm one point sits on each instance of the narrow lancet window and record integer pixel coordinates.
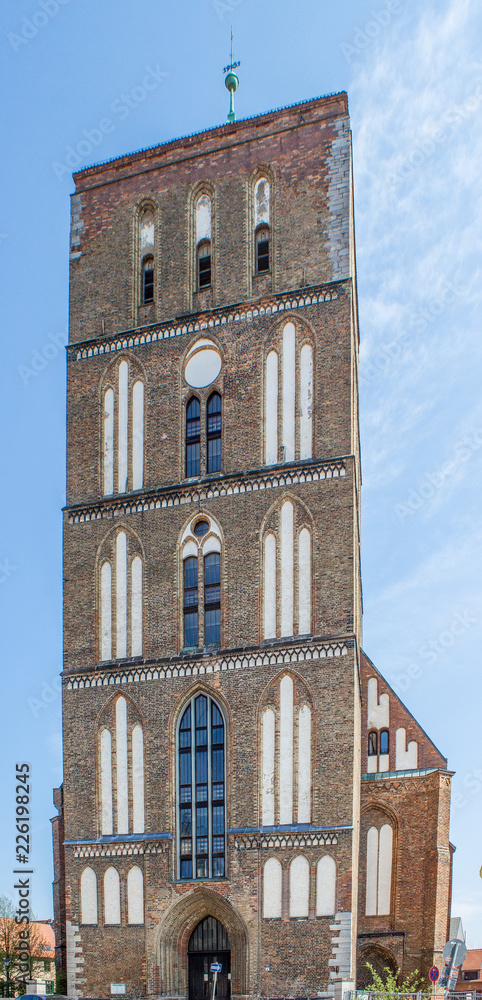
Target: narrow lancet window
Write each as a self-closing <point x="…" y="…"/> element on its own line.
<point x="213" y="433"/>
<point x="193" y="438"/>
<point x="203" y="241"/>
<point x="261" y="225"/>
<point x="147" y="238"/>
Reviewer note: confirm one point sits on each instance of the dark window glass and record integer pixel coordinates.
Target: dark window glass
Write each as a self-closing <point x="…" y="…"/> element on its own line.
<point x="201" y="528"/>
<point x="372" y="744"/>
<point x="191" y="624"/>
<point x="218" y="765"/>
<point x="201" y="713"/>
<point x="213" y="433"/>
<point x="212" y="599"/>
<point x="262" y="250"/>
<point x="193" y="438"/>
<point x="148" y="280"/>
<point x="186" y="869"/>
<point x="384" y="741"/>
<point x="218" y="819"/>
<point x="201" y="768"/>
<point x="201" y="810"/>
<point x="204" y="265"/>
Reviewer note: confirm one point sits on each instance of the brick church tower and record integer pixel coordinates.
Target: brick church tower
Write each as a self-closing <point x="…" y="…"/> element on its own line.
<point x="212" y="675"/>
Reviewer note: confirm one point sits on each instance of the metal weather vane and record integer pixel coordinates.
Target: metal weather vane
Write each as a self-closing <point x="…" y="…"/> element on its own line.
<point x="231" y="82"/>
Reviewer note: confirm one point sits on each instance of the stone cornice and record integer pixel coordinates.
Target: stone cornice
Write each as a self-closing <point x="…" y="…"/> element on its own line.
<point x="199" y="666"/>
<point x="389" y="780"/>
<point x="205" y="321"/>
<point x="193" y="493"/>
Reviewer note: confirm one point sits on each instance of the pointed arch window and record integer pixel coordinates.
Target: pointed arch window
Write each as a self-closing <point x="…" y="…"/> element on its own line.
<point x="193" y="437"/>
<point x="201" y="783"/>
<point x="203" y="212"/>
<point x="213" y="433"/>
<point x="262" y="225"/>
<point x="201" y="569"/>
<point x="384" y="742"/>
<point x="372" y="743"/>
<point x="147" y="234"/>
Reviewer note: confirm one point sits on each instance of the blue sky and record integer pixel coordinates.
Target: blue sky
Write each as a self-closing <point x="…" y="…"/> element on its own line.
<point x="414" y="77"/>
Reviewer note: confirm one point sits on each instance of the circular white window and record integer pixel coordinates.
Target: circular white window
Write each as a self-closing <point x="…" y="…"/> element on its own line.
<point x="203" y="364"/>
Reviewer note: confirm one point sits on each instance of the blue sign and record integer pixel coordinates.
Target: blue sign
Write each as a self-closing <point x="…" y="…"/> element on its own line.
<point x="215" y="967"/>
<point x="434" y="973"/>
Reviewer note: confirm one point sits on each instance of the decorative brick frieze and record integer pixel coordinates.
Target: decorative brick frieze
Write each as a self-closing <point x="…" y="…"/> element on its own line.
<point x="280" y="841"/>
<point x="195" y="494"/>
<point x="137" y="338"/>
<point x="229" y="661"/>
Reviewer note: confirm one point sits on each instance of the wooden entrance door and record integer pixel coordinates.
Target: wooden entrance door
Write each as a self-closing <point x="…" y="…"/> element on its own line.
<point x="209" y="942"/>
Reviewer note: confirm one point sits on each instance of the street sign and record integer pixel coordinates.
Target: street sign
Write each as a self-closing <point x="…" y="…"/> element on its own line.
<point x="434" y="974"/>
<point x="455" y="952"/>
<point x="215" y="967"/>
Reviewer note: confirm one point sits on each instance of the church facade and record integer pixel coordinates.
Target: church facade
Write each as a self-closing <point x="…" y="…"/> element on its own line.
<point x="242" y="791"/>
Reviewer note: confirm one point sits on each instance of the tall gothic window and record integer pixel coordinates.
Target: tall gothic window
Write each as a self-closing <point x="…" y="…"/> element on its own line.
<point x="147" y="233"/>
<point x="203" y="213"/>
<point x="201" y="808"/>
<point x="193" y="438"/>
<point x="262" y="225"/>
<point x="213" y="433"/>
<point x="201" y="577"/>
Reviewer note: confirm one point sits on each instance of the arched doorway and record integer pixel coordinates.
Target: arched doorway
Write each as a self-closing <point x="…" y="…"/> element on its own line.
<point x="209" y="943"/>
<point x="380" y="960"/>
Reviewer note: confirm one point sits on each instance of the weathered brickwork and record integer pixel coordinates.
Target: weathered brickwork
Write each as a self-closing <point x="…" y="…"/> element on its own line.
<point x="417" y="805"/>
<point x="277" y="518"/>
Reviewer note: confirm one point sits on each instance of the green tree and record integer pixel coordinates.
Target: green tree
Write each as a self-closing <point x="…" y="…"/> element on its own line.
<point x="389" y="985"/>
